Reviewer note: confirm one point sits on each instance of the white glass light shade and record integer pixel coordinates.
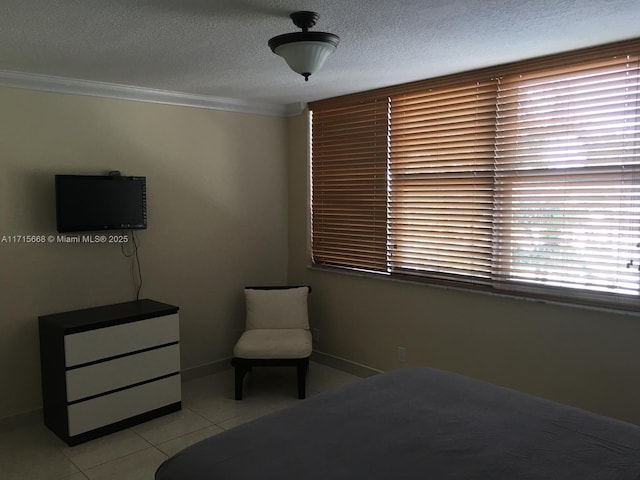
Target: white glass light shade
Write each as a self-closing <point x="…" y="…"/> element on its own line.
<point x="306" y="57"/>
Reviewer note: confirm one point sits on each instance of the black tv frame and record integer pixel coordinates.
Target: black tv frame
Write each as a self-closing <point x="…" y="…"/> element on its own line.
<point x="66" y="227"/>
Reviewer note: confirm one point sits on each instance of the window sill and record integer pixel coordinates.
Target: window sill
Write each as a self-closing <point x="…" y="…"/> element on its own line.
<point x="482" y="291"/>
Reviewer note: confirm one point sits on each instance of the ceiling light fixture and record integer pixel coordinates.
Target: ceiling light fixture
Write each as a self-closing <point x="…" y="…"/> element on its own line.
<point x="304" y="51"/>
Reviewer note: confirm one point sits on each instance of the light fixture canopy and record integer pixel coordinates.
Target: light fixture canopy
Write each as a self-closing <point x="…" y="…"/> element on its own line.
<point x="305" y="52"/>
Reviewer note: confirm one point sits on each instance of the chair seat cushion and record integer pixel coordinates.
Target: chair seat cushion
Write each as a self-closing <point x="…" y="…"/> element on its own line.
<point x="274" y="343"/>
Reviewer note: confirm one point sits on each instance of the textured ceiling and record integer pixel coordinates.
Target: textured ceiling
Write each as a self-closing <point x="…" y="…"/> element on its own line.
<point x="219" y="47"/>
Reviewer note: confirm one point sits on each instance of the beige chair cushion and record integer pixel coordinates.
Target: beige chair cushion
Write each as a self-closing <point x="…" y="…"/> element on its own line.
<point x="274" y="343"/>
<point x="277" y="308"/>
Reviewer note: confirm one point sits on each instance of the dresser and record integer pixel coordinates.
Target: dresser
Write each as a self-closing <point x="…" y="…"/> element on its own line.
<point x="108" y="368"/>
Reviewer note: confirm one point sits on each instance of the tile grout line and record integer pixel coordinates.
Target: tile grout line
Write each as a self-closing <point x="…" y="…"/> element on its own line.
<point x="149" y="444"/>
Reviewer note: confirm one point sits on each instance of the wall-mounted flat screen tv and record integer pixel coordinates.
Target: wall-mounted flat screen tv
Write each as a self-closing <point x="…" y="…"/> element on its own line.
<point x="110" y="202"/>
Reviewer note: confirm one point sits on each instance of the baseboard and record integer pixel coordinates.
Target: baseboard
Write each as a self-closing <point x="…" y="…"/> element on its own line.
<point x="206" y="369"/>
<point x="343" y="364"/>
<point x="338" y="363"/>
<point x="21" y="420"/>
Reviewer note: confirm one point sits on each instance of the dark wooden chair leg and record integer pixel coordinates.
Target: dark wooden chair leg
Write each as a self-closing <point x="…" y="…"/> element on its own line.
<point x="243" y="366"/>
<point x="240" y="371"/>
<point x="302" y="368"/>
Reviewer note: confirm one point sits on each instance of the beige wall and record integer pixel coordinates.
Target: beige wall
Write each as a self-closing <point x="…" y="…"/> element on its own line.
<point x="218" y="211"/>
<point x="217" y="207"/>
<point x="573" y="355"/>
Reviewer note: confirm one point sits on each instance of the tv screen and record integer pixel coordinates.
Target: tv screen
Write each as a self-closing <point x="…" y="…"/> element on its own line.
<point x="91" y="203"/>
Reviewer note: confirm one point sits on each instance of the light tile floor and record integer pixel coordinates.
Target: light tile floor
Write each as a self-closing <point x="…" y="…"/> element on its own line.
<point x="32" y="452"/>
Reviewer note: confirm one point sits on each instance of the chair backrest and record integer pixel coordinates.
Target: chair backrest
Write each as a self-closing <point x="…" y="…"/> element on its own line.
<point x="277" y="307"/>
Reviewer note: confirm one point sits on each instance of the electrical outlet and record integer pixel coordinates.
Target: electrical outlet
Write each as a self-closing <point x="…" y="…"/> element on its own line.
<point x="315" y="334"/>
<point x="402" y="354"/>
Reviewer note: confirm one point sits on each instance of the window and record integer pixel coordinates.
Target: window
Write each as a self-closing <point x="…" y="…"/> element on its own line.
<point x="520" y="178"/>
<point x="441" y="182"/>
<point x="567" y="196"/>
<point x="349" y="186"/>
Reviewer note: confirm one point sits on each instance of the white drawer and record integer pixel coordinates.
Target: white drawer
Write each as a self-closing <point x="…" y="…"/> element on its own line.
<point x="107" y="342"/>
<point x="102" y="411"/>
<point x="123" y="371"/>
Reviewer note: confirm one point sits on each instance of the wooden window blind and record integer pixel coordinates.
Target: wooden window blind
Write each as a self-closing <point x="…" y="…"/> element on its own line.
<point x="567" y="196"/>
<point x="441" y="181"/>
<point x="518" y="178"/>
<point x="349" y="186"/>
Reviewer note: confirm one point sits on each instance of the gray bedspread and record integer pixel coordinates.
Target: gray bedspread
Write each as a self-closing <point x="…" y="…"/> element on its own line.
<point x="417" y="423"/>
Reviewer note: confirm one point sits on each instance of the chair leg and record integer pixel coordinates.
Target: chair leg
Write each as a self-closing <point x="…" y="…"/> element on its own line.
<point x="240" y="372"/>
<point x="302" y="368"/>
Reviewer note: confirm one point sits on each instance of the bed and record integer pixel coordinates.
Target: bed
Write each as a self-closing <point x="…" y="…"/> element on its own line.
<point x="417" y="423"/>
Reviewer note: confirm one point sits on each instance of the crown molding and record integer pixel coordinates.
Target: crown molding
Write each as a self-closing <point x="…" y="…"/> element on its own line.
<point x="47" y="83"/>
<point x="294" y="109"/>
